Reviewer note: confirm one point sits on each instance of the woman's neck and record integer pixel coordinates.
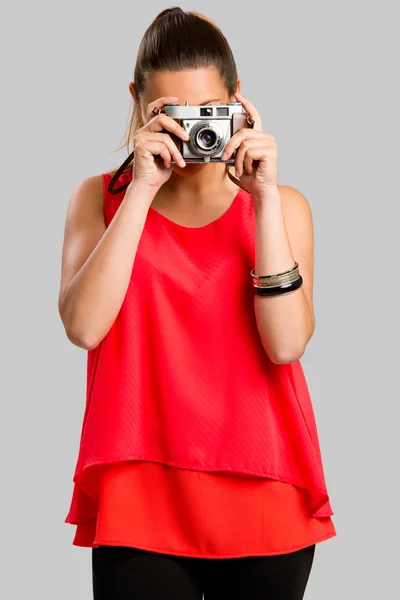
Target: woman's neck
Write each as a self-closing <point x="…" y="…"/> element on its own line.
<point x="201" y="188"/>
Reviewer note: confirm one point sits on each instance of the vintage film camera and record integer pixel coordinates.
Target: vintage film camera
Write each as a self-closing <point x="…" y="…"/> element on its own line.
<point x="210" y="128"/>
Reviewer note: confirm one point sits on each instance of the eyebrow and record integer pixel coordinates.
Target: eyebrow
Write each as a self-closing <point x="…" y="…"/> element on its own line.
<point x="207" y="101"/>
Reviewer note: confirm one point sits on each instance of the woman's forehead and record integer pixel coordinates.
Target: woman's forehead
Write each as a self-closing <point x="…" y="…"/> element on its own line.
<point x="198" y="86"/>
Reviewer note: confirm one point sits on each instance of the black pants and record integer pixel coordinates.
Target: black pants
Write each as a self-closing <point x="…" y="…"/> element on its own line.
<point x="123" y="573"/>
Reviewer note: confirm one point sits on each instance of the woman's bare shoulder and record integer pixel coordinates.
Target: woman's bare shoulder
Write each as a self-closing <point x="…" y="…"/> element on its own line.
<point x="86" y="205"/>
<point x="294" y="204"/>
<point x="88" y="194"/>
<point x="92" y="183"/>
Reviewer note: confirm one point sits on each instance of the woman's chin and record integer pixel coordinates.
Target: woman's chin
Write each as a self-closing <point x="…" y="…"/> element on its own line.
<point x="190" y="169"/>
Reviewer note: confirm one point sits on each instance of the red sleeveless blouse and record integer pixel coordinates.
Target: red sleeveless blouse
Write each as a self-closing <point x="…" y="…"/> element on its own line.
<point x="181" y="378"/>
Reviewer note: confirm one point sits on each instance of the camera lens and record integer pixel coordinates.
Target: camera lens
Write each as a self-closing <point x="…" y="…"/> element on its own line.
<point x="206" y="138"/>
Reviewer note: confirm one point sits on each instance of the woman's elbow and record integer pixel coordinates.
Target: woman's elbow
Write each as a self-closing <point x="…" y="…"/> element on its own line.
<point x="286" y="356"/>
<point x="82" y="341"/>
<point x="74" y="333"/>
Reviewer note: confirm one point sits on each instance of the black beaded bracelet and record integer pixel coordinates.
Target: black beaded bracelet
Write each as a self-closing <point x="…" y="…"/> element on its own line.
<point x="279" y="290"/>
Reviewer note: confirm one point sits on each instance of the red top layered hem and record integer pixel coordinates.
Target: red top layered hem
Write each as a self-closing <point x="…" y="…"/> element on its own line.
<point x="206" y="515"/>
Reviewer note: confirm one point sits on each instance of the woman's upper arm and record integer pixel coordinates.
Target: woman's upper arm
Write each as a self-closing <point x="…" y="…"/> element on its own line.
<point x="84" y="228"/>
<point x="300" y="230"/>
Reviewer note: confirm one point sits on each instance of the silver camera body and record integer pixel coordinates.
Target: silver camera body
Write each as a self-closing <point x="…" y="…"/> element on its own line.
<point x="210" y="127"/>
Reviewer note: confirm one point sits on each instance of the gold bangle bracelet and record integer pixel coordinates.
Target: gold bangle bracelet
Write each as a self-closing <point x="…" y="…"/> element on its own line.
<point x="253" y="273"/>
<point x="278" y="279"/>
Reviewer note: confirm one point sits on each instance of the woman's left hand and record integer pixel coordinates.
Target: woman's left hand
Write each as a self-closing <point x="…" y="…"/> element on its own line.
<point x="256" y="162"/>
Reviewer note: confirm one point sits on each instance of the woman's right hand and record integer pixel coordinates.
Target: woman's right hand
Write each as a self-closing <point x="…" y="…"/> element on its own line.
<point x="154" y="150"/>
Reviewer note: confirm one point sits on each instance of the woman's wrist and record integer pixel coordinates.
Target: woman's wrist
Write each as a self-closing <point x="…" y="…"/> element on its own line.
<point x="141" y="192"/>
<point x="265" y="199"/>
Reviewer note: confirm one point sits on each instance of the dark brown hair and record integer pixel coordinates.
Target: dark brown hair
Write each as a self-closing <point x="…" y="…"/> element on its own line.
<point x="176" y="41"/>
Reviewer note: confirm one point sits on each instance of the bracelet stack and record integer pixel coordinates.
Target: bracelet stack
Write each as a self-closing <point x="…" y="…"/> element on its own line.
<point x="279" y="284"/>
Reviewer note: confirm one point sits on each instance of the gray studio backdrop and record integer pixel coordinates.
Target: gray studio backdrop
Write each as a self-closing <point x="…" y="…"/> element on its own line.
<point x="324" y="77"/>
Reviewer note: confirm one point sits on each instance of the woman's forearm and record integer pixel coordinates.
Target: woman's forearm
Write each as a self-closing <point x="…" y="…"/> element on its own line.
<point x="284" y="322"/>
<point x="95" y="294"/>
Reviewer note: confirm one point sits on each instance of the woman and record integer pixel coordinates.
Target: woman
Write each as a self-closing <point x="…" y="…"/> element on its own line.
<point x="199" y="467"/>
